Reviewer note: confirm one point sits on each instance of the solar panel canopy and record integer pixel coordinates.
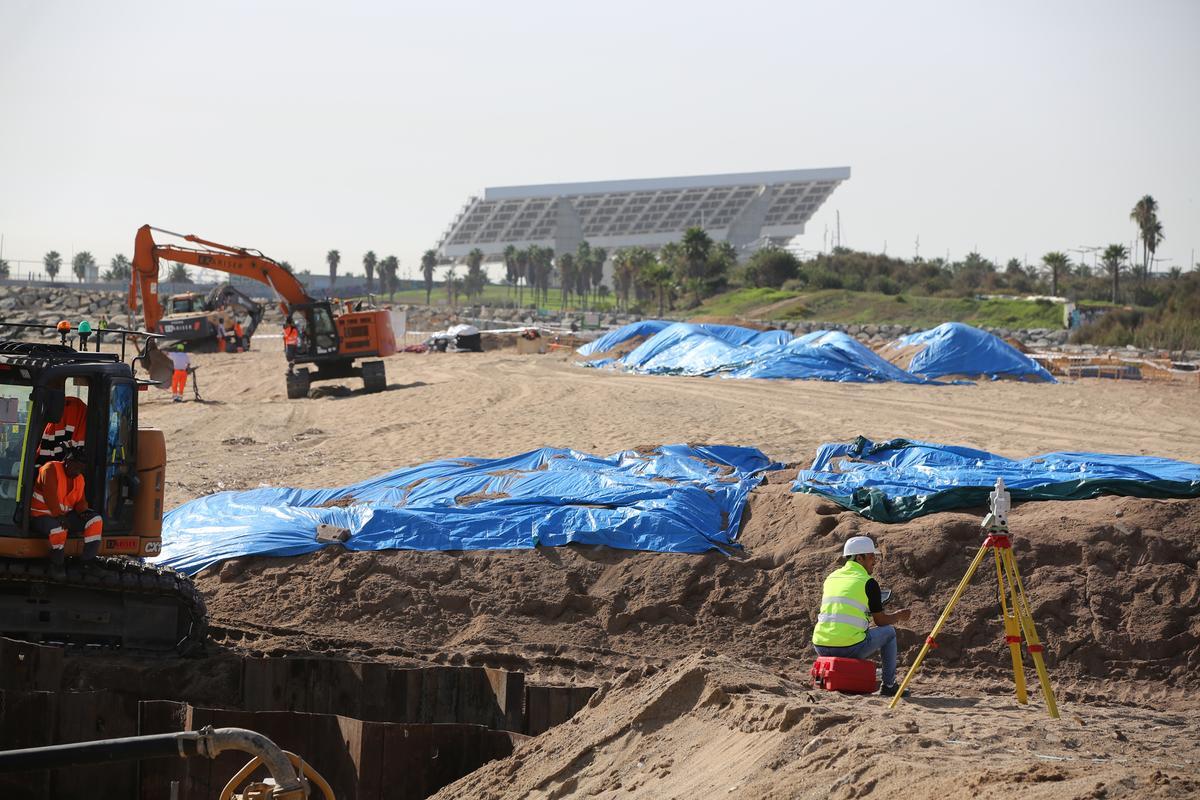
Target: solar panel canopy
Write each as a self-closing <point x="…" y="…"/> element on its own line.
<point x="746" y="209"/>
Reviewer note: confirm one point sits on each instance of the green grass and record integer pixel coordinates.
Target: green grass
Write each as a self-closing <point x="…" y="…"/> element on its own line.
<point x="846" y="307"/>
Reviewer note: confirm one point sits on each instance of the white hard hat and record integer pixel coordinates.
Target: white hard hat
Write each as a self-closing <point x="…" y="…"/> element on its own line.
<point x="857" y="545"/>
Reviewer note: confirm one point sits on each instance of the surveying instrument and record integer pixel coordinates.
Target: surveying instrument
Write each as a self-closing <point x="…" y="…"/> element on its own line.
<point x="1014" y="607"/>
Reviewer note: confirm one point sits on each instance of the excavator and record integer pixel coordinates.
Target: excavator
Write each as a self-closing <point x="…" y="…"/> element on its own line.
<point x="192" y="317"/>
<point x="330" y="342"/>
<point x="115" y="599"/>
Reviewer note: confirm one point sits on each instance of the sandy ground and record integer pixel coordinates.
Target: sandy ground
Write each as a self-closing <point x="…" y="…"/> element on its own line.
<point x="702" y="658"/>
<point x="498" y="403"/>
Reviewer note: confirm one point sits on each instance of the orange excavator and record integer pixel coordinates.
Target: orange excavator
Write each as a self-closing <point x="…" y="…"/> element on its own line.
<point x="330" y="342"/>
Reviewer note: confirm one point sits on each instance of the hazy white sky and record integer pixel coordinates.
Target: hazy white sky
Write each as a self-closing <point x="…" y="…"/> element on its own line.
<point x="298" y="127"/>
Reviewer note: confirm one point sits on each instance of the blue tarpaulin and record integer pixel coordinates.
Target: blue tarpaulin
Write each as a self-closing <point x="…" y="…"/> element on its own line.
<point x="823" y="355"/>
<point x="899" y="479"/>
<point x="953" y="348"/>
<point x="674" y="499"/>
<point x="734" y="352"/>
<point x="645" y="328"/>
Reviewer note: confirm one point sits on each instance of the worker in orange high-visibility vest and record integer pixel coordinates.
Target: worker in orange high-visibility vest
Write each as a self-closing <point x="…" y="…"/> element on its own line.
<point x="68" y="431"/>
<point x="59" y="507"/>
<point x="291" y="341"/>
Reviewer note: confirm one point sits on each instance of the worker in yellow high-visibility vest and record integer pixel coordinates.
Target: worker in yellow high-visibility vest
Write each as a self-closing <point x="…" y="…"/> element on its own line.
<point x="850" y="601"/>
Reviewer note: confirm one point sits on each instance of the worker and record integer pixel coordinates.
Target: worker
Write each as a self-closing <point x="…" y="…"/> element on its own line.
<point x="291" y="341"/>
<point x="102" y="326"/>
<point x="182" y="362"/>
<point x="239" y="342"/>
<point x="70" y="430"/>
<point x="220" y="337"/>
<point x="59" y="507"/>
<point x="850" y="600"/>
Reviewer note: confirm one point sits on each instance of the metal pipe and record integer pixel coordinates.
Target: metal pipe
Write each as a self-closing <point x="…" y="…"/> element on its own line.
<point x="208" y="743"/>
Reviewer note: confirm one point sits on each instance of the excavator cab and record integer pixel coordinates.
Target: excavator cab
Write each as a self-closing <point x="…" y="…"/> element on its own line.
<point x="115" y="598"/>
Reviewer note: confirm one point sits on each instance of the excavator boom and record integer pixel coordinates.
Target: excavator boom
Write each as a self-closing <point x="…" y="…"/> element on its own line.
<point x="224" y="258"/>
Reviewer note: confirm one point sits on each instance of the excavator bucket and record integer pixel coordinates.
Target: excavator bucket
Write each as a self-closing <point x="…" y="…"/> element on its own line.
<point x="157" y="365"/>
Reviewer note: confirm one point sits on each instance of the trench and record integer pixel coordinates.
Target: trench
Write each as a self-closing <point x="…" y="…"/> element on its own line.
<point x="373" y="730"/>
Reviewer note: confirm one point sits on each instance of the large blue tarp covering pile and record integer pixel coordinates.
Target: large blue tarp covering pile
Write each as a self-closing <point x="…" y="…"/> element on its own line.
<point x="674" y="499"/>
<point x="824" y="355"/>
<point x="732" y="351"/>
<point x="953" y="348"/>
<point x="645" y="328"/>
<point x="899" y="479"/>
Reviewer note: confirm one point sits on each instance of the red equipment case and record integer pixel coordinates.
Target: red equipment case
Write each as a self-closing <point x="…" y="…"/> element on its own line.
<point x="844" y="674"/>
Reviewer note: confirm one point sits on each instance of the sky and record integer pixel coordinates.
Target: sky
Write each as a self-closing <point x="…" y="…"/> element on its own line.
<point x="296" y="127"/>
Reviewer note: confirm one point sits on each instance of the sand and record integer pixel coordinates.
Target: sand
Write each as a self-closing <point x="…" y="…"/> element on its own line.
<point x="704" y="658"/>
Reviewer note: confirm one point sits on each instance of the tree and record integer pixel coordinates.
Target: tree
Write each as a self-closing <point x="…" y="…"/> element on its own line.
<point x="428" y="262"/>
<point x="772" y="266"/>
<point x="1145" y="215"/>
<point x="476" y="278"/>
<point x="660" y="276"/>
<point x="511" y="276"/>
<point x="596" y="269"/>
<point x="1152" y="241"/>
<point x="1056" y="264"/>
<point x="119" y="269"/>
<point x="4" y="268"/>
<point x="81" y="263"/>
<point x="178" y="274"/>
<point x="522" y="271"/>
<point x="566" y="276"/>
<point x="451" y="279"/>
<point x="695" y="248"/>
<point x="53" y="263"/>
<point x="389" y="270"/>
<point x="369" y="263"/>
<point x="1114" y="258"/>
<point x="333" y="258"/>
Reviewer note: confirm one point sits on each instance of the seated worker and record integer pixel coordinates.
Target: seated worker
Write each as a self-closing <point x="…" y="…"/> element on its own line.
<point x="850" y="600"/>
<point x="59" y="507"/>
<point x="69" y="431"/>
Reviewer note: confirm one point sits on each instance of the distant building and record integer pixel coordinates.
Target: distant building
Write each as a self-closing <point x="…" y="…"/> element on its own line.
<point x="746" y="209"/>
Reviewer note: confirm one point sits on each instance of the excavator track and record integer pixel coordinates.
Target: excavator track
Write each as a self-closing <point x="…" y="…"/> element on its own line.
<point x="108" y="602"/>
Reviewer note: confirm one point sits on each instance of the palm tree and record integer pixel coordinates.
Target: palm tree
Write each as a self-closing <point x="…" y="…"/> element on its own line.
<point x="428" y="261"/>
<point x="695" y="247"/>
<point x="522" y="272"/>
<point x="81" y="263"/>
<point x="1145" y="214"/>
<point x="119" y="269"/>
<point x="450" y="279"/>
<point x="388" y="270"/>
<point x="596" y="270"/>
<point x="566" y="276"/>
<point x="510" y="267"/>
<point x="53" y="263"/>
<point x="1057" y="264"/>
<point x="369" y="263"/>
<point x="475" y="277"/>
<point x="178" y="274"/>
<point x="545" y="267"/>
<point x="1151" y="244"/>
<point x="333" y="258"/>
<point x="1114" y="258"/>
<point x="659" y="275"/>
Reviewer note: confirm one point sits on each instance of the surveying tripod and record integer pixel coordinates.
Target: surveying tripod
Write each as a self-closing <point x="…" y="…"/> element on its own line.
<point x="1014" y="607"/>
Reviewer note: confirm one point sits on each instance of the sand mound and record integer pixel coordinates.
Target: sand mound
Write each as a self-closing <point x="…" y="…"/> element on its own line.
<point x="1113" y="583"/>
<point x="711" y="726"/>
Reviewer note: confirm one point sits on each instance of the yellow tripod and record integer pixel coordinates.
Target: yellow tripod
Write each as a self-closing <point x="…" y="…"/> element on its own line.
<point x="1014" y="607"/>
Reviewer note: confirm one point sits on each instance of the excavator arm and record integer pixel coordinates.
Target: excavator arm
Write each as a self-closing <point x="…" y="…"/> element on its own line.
<point x="210" y="255"/>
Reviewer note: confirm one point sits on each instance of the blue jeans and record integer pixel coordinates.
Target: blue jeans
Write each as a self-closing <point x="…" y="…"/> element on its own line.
<point x="879" y="640"/>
